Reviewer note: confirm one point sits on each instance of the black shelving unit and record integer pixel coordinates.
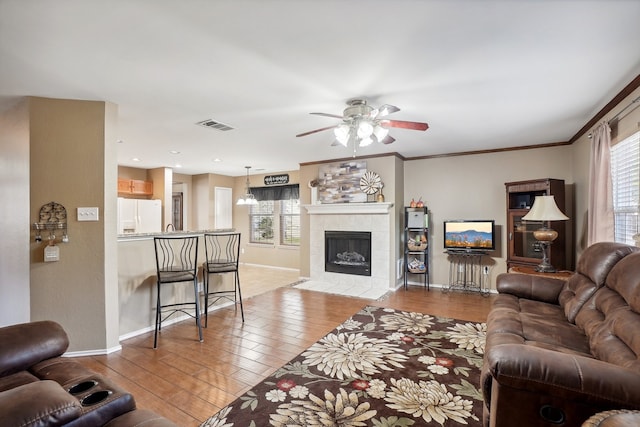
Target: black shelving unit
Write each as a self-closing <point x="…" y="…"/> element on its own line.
<point x="416" y="244"/>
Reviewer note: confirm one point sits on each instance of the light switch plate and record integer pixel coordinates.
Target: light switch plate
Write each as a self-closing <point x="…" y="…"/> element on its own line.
<point x="88" y="214"/>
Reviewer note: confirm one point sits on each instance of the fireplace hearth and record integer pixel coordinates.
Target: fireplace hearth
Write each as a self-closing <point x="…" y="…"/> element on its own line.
<point x="348" y="252"/>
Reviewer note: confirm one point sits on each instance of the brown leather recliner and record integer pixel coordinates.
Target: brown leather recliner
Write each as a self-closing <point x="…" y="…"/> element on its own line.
<point x="558" y="352"/>
<point x="38" y="387"/>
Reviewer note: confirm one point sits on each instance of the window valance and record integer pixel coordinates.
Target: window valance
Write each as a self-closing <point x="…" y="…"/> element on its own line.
<point x="277" y="192"/>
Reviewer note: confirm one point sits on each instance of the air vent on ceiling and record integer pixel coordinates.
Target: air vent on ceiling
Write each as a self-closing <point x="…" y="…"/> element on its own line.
<point x="214" y="125"/>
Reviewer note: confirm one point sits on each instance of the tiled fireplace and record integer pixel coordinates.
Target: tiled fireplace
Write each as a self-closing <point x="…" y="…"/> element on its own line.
<point x="370" y="218"/>
<point x="347" y="252"/>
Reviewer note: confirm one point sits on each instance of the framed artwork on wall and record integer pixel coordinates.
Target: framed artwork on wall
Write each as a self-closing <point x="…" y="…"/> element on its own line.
<point x="340" y="182"/>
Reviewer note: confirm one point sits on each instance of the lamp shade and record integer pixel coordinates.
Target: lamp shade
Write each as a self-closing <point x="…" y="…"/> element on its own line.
<point x="545" y="209"/>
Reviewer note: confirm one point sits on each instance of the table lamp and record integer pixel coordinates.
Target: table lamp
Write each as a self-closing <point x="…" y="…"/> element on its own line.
<point x="545" y="209"/>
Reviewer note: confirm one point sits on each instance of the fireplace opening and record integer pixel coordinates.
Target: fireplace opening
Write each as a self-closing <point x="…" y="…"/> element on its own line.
<point x="348" y="252"/>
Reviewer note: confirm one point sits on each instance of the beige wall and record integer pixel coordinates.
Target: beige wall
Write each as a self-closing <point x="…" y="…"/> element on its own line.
<point x="72" y="163"/>
<point x="627" y="124"/>
<point x="15" y="224"/>
<point x="472" y="187"/>
<point x="126" y="172"/>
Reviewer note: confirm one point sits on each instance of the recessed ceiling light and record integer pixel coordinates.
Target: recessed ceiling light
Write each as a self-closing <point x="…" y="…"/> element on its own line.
<point x="178" y="165"/>
<point x="135" y="159"/>
<point x="217" y="160"/>
<point x="120" y="141"/>
<point x="174" y="152"/>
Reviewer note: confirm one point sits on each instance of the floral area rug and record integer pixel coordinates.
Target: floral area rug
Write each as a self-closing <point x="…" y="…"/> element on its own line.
<point x="382" y="367"/>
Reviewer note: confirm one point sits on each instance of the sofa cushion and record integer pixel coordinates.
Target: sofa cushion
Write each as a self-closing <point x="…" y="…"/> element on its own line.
<point x="41" y="403"/>
<point x="533" y="323"/>
<point x="594" y="265"/>
<point x="14" y="380"/>
<point x="611" y="317"/>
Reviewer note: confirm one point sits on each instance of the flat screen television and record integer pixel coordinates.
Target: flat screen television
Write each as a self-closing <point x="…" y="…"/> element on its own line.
<point x="469" y="235"/>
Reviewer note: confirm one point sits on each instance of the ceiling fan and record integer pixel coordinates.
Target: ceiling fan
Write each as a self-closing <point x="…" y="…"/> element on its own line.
<point x="363" y="124"/>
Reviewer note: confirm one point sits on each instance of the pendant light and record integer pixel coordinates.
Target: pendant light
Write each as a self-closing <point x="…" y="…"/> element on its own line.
<point x="248" y="198"/>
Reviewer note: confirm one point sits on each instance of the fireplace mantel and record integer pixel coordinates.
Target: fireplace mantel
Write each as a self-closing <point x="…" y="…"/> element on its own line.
<point x="349" y="208"/>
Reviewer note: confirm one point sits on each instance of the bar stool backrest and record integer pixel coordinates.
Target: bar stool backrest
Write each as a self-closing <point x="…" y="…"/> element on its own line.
<point x="176" y="258"/>
<point x="222" y="251"/>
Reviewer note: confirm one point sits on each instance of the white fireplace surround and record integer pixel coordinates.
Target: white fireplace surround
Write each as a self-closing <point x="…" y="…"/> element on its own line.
<point x="372" y="217"/>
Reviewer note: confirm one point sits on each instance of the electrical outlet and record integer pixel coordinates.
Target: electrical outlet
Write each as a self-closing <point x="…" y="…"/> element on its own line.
<point x="242" y="250"/>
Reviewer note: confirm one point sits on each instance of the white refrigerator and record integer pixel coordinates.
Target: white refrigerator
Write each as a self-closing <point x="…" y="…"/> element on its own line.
<point x="139" y="216"/>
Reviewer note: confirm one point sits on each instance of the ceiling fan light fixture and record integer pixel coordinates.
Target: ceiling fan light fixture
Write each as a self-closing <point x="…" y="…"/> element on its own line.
<point x="380" y="132"/>
<point x="342" y="134"/>
<point x="367" y="140"/>
<point x="363" y="125"/>
<point x="365" y="129"/>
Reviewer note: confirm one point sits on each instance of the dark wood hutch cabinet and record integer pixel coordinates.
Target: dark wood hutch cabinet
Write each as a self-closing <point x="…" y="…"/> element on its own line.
<point x="523" y="248"/>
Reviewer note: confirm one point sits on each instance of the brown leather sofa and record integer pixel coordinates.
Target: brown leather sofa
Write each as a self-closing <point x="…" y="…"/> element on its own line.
<point x="557" y="352"/>
<point x="614" y="418"/>
<point x="38" y="387"/>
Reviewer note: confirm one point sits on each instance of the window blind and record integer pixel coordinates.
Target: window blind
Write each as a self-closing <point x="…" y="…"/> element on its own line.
<point x="625" y="176"/>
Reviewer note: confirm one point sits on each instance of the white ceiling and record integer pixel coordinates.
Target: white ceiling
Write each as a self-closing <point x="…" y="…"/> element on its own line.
<point x="485" y="74"/>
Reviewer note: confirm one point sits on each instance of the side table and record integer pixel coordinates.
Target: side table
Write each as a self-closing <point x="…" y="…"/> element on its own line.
<point x="560" y="274"/>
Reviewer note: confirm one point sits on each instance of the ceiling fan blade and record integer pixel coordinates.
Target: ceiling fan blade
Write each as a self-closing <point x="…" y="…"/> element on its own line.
<point x="327" y="115"/>
<point x="404" y="125"/>
<point x="388" y="139"/>
<point x="387" y="109"/>
<point x="317" y="130"/>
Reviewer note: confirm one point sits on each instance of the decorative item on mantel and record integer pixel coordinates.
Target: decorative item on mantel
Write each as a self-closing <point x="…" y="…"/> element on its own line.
<point x="370" y="183"/>
<point x="313" y="185"/>
<point x="380" y="196"/>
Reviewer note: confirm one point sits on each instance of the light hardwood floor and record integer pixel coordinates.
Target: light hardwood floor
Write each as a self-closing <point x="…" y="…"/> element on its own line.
<point x="188" y="381"/>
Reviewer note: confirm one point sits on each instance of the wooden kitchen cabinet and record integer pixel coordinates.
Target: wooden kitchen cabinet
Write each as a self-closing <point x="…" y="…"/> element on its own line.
<point x="135" y="186"/>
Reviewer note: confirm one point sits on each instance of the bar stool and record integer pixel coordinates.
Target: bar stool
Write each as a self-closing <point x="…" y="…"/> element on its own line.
<point x="223" y="252"/>
<point x="176" y="261"/>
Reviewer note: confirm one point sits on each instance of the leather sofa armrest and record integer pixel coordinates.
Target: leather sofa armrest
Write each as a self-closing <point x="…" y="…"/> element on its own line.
<point x="529" y="286"/>
<point x="564" y="376"/>
<point x="41" y="403"/>
<point x="25" y="344"/>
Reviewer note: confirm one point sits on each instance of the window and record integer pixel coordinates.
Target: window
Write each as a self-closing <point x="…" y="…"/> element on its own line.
<point x="290" y="222"/>
<point x="625" y="175"/>
<point x="276" y="217"/>
<point x="261" y="222"/>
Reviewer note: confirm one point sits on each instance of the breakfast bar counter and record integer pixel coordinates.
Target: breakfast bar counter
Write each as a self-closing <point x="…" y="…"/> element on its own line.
<point x="137" y="280"/>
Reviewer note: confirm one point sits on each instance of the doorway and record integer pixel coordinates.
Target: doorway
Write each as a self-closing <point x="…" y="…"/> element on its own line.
<point x="177" y="201"/>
